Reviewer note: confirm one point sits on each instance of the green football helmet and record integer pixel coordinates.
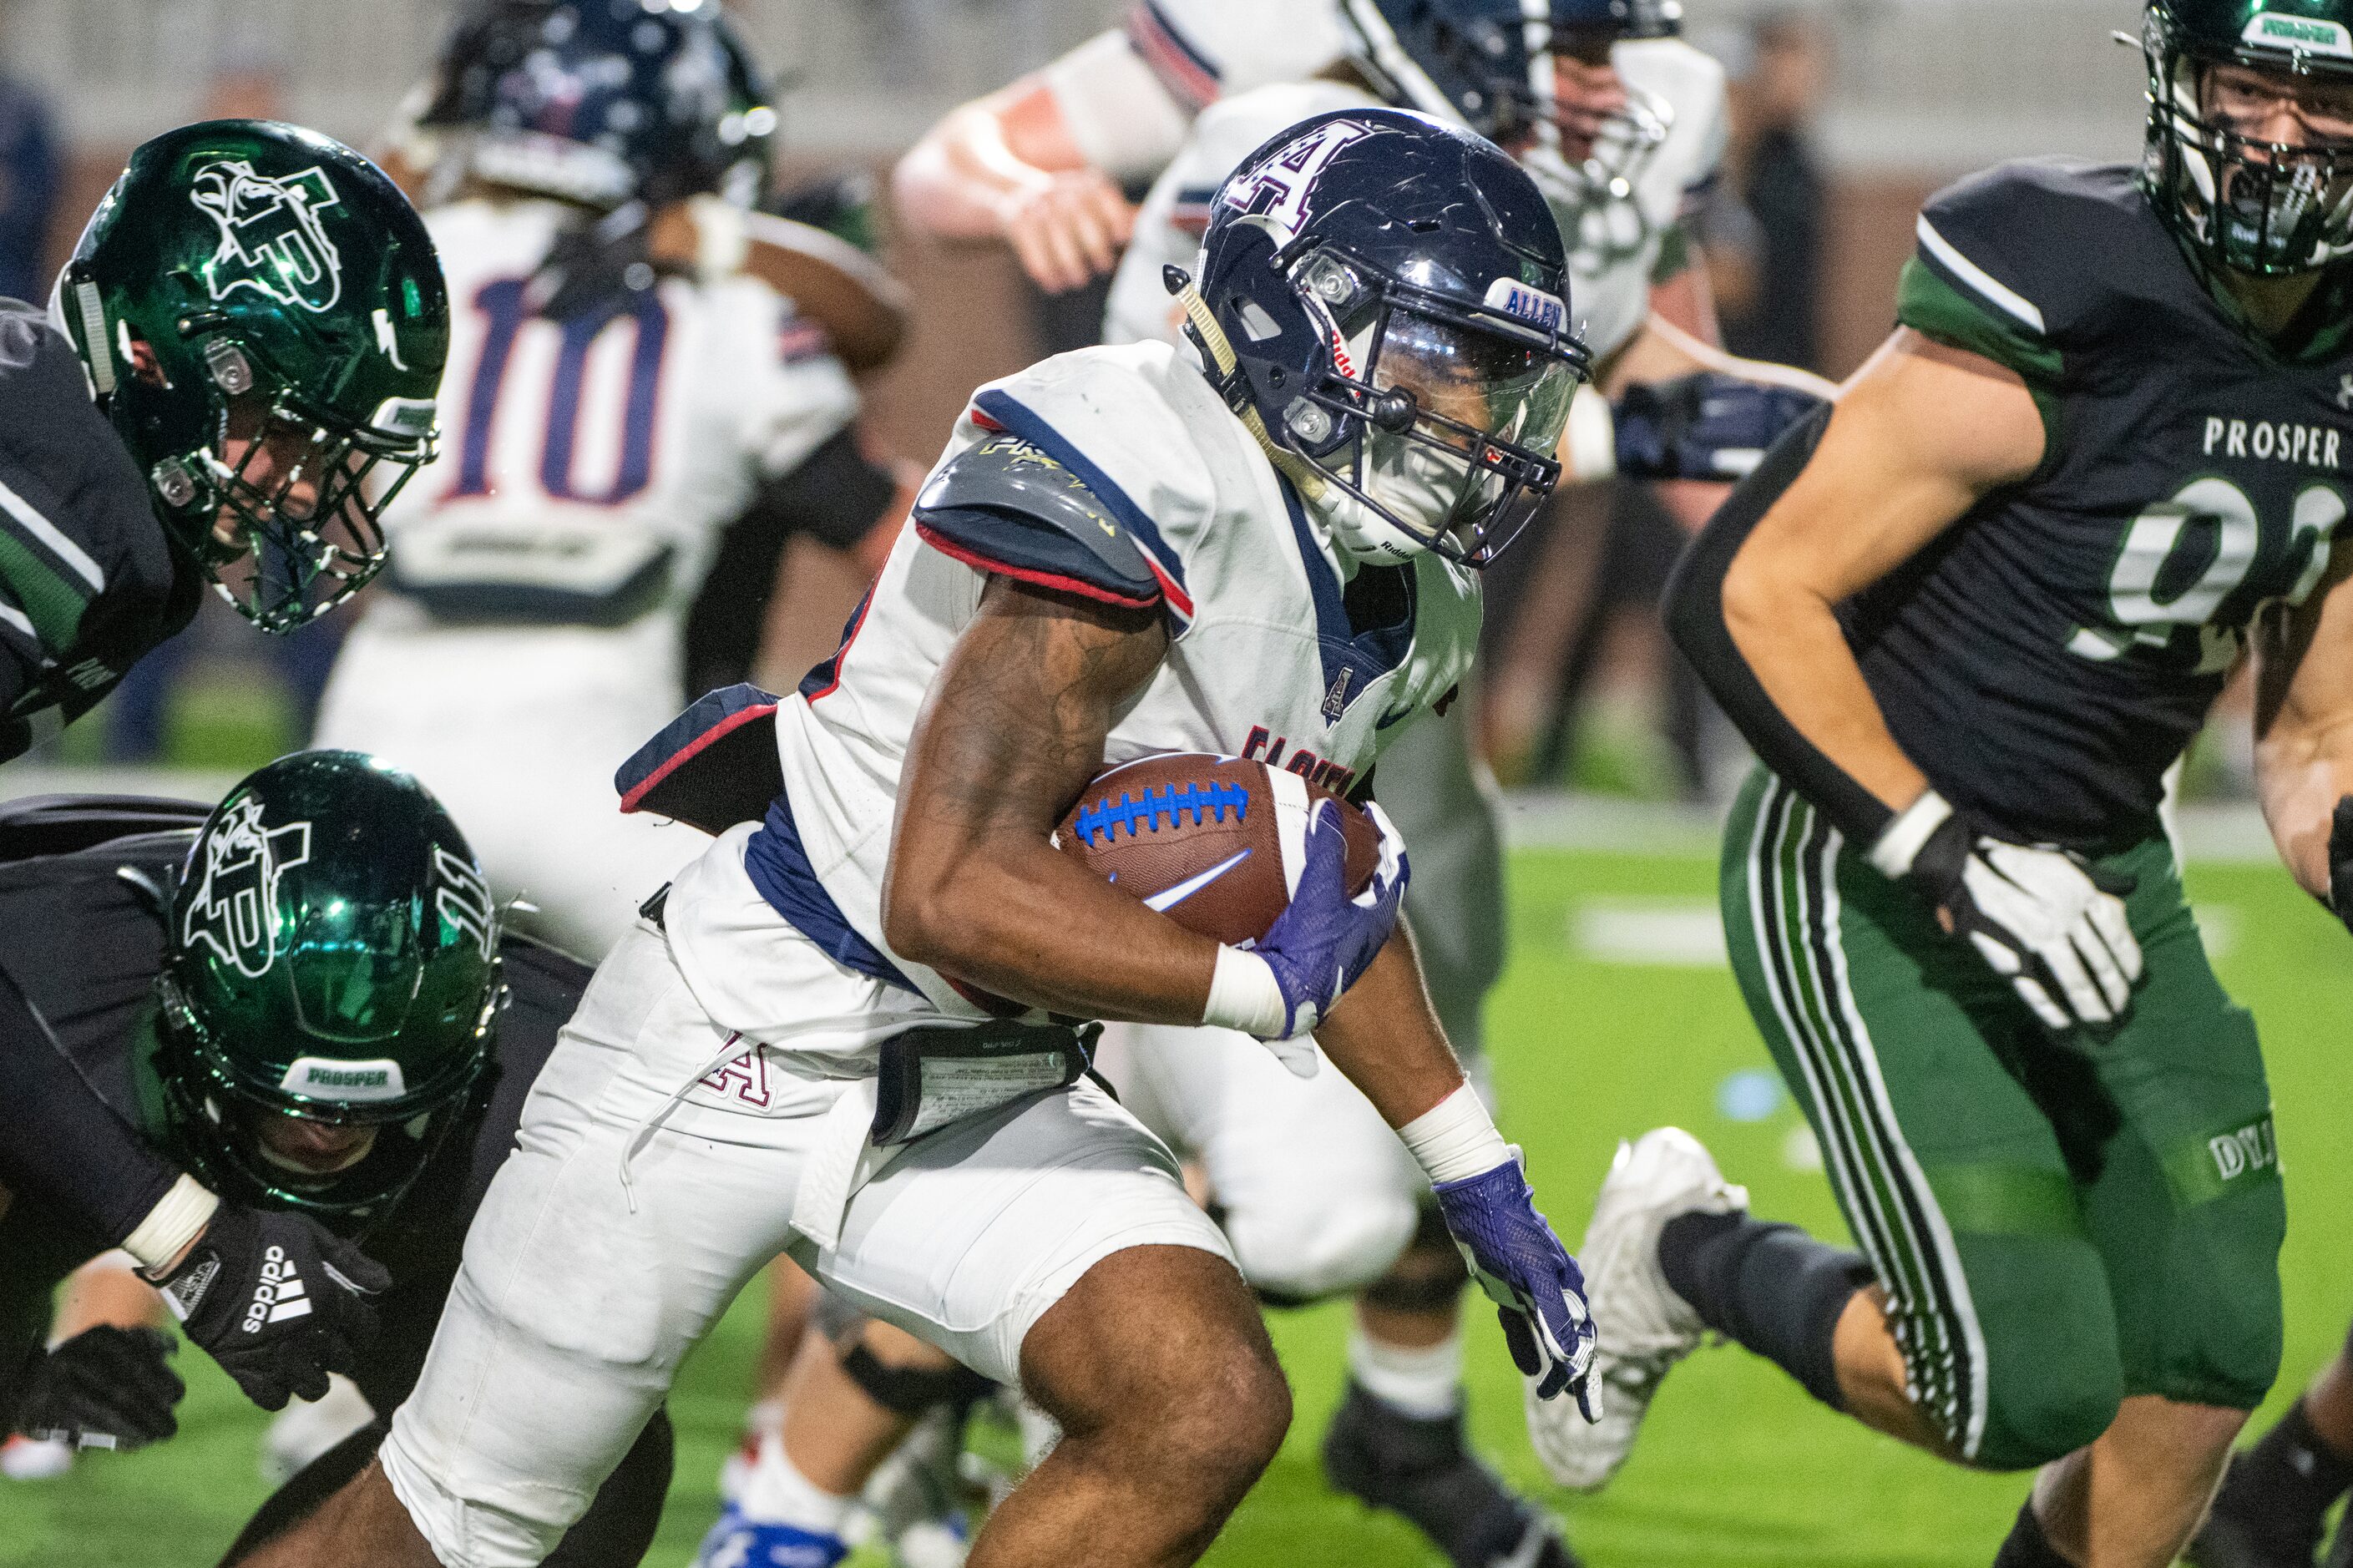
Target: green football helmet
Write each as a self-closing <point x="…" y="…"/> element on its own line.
<point x="263" y="320"/>
<point x="2252" y="206"/>
<point x="333" y="955"/>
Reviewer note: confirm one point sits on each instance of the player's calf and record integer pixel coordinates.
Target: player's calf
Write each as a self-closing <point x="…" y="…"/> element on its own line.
<point x="364" y="1524"/>
<point x="1158" y="1369"/>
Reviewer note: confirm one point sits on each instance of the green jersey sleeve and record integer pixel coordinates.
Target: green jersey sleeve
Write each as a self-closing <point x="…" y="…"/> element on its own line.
<point x="2012" y="264"/>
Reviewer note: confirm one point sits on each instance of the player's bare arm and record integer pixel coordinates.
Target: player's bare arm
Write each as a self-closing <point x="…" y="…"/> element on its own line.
<point x="1920" y="433"/>
<point x="1007" y="167"/>
<point x="2304" y="734"/>
<point x="1385" y="1036"/>
<point x="1011" y="732"/>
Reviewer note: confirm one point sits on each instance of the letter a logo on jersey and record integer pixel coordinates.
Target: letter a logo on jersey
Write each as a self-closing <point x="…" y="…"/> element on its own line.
<point x="271" y="240"/>
<point x="235" y="911"/>
<point x="1281" y="188"/>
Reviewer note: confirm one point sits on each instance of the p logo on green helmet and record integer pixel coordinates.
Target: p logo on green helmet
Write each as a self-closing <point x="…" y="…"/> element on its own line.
<point x="271" y="236"/>
<point x="264" y="321"/>
<point x="333" y="956"/>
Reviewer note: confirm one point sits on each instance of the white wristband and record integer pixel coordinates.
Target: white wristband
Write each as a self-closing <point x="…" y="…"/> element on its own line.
<point x="1588" y="449"/>
<point x="1455" y="1138"/>
<point x="172" y="1225"/>
<point x="1899" y="846"/>
<point x="1243" y="995"/>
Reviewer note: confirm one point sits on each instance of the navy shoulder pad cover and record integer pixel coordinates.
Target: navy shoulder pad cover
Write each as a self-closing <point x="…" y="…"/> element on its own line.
<point x="1003" y="505"/>
<point x="712" y="767"/>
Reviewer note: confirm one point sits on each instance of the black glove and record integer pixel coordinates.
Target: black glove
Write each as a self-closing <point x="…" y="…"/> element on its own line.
<point x="1704" y="426"/>
<point x="2340" y="861"/>
<point x="278" y="1300"/>
<point x="106" y="1387"/>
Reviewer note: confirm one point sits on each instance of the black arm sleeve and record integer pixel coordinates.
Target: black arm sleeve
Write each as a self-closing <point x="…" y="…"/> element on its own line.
<point x="836" y="496"/>
<point x="1694" y="610"/>
<point x="62" y="1139"/>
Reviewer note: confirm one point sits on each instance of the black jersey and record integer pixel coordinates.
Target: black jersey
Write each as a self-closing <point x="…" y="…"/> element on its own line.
<point x="2047" y="659"/>
<point x="89" y="579"/>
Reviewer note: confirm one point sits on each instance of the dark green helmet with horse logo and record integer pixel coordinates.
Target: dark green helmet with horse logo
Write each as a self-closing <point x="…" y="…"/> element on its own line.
<point x="333" y="956"/>
<point x="263" y="320"/>
<point x="2238" y="200"/>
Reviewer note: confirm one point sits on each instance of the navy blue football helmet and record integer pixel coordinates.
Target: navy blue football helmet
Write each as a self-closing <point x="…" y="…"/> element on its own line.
<point x="1487" y="63"/>
<point x="1384" y="298"/>
<point x="605" y="102"/>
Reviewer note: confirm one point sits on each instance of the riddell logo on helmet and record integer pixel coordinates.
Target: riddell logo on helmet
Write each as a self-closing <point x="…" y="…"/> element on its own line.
<point x="2307" y="35"/>
<point x="271" y="240"/>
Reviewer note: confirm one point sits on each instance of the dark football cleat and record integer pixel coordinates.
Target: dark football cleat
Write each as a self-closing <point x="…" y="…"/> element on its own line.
<point x="2251" y="1527"/>
<point x="1421" y="1470"/>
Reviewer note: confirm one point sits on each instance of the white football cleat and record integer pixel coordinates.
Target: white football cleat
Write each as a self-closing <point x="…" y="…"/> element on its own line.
<point x="1641" y="1327"/>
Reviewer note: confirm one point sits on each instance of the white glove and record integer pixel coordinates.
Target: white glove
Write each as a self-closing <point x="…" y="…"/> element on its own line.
<point x="2045" y="919"/>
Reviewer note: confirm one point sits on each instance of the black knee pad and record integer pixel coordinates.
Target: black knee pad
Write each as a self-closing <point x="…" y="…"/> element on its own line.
<point x="912" y="1391"/>
<point x="1427" y="1276"/>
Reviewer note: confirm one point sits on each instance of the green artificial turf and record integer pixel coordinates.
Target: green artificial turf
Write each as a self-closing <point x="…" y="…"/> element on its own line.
<point x="1736" y="1466"/>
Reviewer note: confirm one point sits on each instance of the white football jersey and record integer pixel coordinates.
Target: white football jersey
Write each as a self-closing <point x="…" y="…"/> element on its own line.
<point x="1611" y="259"/>
<point x="577" y="463"/>
<point x="1263" y="661"/>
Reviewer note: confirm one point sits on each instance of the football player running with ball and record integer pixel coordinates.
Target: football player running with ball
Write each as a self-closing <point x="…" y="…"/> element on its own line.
<point x="303" y="997"/>
<point x="1124" y="550"/>
<point x="1970" y="620"/>
<point x="235" y="373"/>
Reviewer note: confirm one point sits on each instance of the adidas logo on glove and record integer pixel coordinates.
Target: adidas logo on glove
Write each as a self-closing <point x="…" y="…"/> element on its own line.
<point x="280" y="1295"/>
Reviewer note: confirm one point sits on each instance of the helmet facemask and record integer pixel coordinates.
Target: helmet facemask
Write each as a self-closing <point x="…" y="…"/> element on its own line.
<point x="2249" y="205"/>
<point x="1436" y="426"/>
<point x="1593" y="196"/>
<point x="295" y="504"/>
<point x="217" y="1116"/>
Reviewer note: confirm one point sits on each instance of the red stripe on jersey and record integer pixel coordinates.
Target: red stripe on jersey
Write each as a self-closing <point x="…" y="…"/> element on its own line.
<point x="1032" y="574"/>
<point x="702" y="742"/>
<point x="1186" y="74"/>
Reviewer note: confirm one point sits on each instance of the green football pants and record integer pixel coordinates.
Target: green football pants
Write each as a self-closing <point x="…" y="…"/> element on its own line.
<point x="2059" y="1221"/>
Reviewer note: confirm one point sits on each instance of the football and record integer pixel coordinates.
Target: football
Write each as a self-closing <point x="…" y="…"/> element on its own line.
<point x="1214" y="843"/>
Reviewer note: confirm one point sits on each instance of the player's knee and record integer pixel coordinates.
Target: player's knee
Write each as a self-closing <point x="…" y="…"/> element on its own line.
<point x="1225" y="1428"/>
<point x="1306" y="1247"/>
<point x="2054" y="1379"/>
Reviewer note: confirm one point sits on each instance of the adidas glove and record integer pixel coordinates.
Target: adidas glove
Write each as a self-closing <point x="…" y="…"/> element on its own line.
<point x="278" y="1300"/>
<point x="106" y="1387"/>
<point x="2045" y="919"/>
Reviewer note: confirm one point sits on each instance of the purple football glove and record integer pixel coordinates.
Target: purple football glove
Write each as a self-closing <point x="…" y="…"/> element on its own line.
<point x="1537" y="1289"/>
<point x="1325" y="940"/>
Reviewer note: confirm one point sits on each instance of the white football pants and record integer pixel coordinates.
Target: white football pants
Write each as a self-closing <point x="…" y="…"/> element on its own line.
<point x="581" y="1291"/>
<point x="518" y="729"/>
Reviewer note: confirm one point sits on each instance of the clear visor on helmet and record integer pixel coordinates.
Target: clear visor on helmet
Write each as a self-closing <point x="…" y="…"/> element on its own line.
<point x="297" y="526"/>
<point x="1462" y="458"/>
<point x="2266" y="164"/>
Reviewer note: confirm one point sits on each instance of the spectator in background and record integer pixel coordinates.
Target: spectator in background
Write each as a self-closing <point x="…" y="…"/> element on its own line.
<point x="1765" y="240"/>
<point x="30" y="175"/>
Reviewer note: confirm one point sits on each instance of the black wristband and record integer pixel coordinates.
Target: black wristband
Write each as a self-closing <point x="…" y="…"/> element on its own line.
<point x="1937" y="868"/>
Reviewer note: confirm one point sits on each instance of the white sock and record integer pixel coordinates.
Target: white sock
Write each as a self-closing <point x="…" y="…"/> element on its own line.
<point x="776" y="1493"/>
<point x="1426" y="1385"/>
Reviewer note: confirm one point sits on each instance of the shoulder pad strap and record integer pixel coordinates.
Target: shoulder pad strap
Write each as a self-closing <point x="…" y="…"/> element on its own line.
<point x="65" y="823"/>
<point x="1003" y="505"/>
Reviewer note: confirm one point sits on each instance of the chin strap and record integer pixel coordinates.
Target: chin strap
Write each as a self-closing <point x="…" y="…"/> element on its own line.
<point x="1224" y="374"/>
